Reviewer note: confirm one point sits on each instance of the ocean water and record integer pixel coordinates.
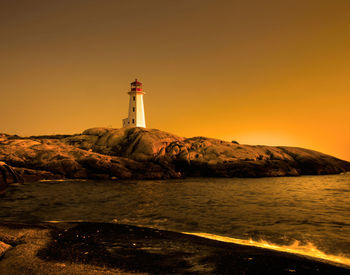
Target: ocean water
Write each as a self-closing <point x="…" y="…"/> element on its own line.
<point x="313" y="211"/>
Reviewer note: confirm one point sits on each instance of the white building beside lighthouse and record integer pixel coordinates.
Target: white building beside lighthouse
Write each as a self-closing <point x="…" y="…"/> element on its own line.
<point x="136" y="117"/>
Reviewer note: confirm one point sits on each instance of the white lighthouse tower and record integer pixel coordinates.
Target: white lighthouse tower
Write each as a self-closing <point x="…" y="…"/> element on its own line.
<point x="136" y="116"/>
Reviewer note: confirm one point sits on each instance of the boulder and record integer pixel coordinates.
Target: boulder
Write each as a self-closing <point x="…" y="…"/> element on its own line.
<point x="3" y="248"/>
<point x="139" y="144"/>
<point x="8" y="176"/>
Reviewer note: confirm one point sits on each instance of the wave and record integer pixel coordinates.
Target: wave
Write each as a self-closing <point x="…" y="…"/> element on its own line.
<point x="67" y="221"/>
<point x="309" y="249"/>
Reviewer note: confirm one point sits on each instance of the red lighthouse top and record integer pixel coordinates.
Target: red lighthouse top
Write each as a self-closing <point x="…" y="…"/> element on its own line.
<point x="136" y="86"/>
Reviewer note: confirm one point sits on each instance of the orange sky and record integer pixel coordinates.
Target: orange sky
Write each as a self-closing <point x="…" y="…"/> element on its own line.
<point x="259" y="72"/>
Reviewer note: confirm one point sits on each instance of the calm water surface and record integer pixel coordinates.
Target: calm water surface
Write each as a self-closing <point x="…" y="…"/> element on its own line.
<point x="280" y="210"/>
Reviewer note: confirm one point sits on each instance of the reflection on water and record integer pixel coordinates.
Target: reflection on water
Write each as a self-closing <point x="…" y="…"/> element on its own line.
<point x="310" y="209"/>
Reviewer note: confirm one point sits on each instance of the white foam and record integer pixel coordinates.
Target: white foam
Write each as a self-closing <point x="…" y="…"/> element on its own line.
<point x="308" y="249"/>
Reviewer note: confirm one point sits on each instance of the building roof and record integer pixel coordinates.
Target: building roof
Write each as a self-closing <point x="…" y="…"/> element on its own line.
<point x="136" y="83"/>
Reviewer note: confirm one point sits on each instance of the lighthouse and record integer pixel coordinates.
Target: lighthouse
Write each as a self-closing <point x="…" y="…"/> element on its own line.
<point x="136" y="117"/>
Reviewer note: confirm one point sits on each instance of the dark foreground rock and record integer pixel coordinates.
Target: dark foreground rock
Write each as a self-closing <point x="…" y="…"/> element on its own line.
<point x="8" y="176"/>
<point x="95" y="248"/>
<point x="138" y="153"/>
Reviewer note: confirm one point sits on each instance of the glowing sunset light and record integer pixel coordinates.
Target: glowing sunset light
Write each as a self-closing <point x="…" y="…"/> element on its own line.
<point x="228" y="69"/>
<point x="296" y="248"/>
<point x="264" y="138"/>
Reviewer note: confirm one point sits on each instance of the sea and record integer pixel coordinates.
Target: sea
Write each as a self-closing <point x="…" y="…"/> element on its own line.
<point x="307" y="215"/>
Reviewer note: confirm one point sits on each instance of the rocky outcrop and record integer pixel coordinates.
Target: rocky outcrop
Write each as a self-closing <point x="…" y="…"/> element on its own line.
<point x="3" y="248"/>
<point x="201" y="156"/>
<point x="138" y="153"/>
<point x="139" y="144"/>
<point x="52" y="159"/>
<point x="8" y="176"/>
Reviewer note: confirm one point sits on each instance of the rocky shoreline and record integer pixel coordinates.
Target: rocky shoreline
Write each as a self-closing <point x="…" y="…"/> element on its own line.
<point x="138" y="153"/>
<point x="101" y="248"/>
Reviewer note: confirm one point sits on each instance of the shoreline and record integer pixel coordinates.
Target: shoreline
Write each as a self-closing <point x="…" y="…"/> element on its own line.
<point x="177" y="179"/>
<point x="107" y="248"/>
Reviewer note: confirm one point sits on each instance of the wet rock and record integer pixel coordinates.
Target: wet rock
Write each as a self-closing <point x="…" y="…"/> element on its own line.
<point x="31" y="175"/>
<point x="102" y="248"/>
<point x="3" y="248"/>
<point x="8" y="175"/>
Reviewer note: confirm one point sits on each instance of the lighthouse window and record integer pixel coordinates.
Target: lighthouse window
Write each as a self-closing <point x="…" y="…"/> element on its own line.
<point x="133" y="98"/>
<point x="133" y="121"/>
<point x="133" y="109"/>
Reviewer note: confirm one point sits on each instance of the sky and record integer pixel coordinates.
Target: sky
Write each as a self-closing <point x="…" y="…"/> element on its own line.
<point x="258" y="72"/>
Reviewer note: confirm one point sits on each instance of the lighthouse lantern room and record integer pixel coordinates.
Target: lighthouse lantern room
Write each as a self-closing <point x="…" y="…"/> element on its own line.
<point x="136" y="116"/>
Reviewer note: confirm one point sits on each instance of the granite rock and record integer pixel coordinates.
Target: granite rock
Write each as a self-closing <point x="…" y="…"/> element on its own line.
<point x="139" y="153"/>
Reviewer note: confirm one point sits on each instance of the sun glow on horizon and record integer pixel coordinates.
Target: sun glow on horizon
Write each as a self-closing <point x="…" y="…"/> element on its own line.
<point x="278" y="67"/>
<point x="270" y="138"/>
